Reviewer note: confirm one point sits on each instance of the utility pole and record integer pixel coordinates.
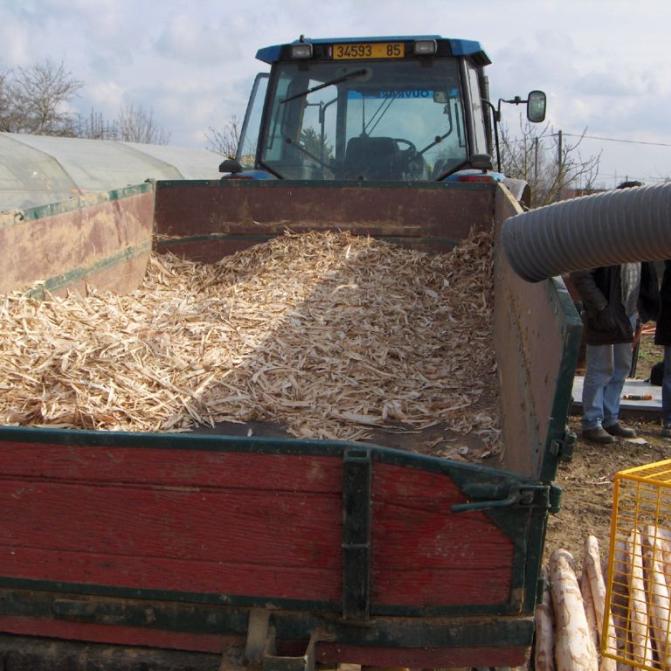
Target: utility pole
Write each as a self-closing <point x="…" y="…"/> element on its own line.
<point x="560" y="149"/>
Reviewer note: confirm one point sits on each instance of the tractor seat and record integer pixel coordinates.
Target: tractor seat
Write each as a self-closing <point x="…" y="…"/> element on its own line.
<point x="372" y="158"/>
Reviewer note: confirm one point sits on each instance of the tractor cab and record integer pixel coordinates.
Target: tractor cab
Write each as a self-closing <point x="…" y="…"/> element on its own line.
<point x="384" y="109"/>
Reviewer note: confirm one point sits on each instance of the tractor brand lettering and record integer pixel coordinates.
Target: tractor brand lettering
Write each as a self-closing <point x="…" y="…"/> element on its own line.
<point x="411" y="93"/>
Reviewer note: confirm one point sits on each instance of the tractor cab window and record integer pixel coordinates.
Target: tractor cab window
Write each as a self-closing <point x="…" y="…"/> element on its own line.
<point x="365" y="120"/>
<point x="480" y="137"/>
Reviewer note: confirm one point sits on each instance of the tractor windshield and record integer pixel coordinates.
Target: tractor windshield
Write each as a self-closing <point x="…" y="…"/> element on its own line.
<point x="371" y="120"/>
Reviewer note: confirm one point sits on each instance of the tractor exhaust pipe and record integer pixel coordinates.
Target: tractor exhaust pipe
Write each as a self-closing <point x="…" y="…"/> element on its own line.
<point x="606" y="229"/>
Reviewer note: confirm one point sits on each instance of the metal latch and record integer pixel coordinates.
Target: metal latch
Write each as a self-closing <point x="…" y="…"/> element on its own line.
<point x="499" y="496"/>
<point x="562" y="446"/>
<point x="554" y="499"/>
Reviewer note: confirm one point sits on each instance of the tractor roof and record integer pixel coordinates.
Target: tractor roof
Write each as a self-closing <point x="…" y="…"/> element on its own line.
<point x="277" y="52"/>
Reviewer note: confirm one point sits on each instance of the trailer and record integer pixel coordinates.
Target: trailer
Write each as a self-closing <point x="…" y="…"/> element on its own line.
<point x="319" y="550"/>
<point x="194" y="550"/>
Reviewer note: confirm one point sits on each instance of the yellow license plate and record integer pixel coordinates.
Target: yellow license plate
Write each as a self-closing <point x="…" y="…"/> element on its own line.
<point x="345" y="52"/>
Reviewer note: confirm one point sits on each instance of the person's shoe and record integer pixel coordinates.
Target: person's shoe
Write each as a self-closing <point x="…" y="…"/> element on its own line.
<point x="597" y="435"/>
<point x="666" y="431"/>
<point x="620" y="430"/>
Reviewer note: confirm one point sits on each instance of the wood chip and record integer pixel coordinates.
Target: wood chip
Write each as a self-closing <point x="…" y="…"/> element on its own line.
<point x="328" y="334"/>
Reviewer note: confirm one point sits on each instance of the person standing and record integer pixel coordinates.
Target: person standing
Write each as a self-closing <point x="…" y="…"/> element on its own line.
<point x="615" y="299"/>
<point x="663" y="337"/>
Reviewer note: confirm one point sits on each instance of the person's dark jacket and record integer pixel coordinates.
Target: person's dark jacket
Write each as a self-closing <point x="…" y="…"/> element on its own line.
<point x="663" y="329"/>
<point x="604" y="317"/>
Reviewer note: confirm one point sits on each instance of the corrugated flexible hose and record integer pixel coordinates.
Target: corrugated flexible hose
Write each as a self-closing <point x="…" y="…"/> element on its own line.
<point x="605" y="229"/>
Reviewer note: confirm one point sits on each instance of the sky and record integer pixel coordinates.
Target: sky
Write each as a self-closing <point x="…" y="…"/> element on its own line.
<point x="604" y="64"/>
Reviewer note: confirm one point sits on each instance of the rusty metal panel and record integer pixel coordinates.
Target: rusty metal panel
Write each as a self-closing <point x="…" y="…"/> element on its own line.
<point x="537" y="335"/>
<point x="103" y="241"/>
<point x="216" y="218"/>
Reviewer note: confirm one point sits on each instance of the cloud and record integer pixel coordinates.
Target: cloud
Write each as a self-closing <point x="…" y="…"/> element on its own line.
<point x="614" y="84"/>
<point x="15" y="43"/>
<point x="108" y="95"/>
<point x="604" y="68"/>
<point x="102" y="18"/>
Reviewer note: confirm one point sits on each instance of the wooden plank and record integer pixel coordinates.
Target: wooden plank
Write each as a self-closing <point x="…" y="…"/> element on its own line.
<point x="239" y="208"/>
<point x="284" y="545"/>
<point x="31" y="653"/>
<point x="425" y="555"/>
<point x="176" y="467"/>
<point x="105" y="633"/>
<point x="164" y="574"/>
<point x="419" y="658"/>
<point x="481" y="545"/>
<point x="264" y="525"/>
<point x="424" y="588"/>
<point x="286" y="529"/>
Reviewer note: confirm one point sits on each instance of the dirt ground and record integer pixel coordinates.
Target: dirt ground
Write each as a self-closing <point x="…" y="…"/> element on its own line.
<point x="587" y="480"/>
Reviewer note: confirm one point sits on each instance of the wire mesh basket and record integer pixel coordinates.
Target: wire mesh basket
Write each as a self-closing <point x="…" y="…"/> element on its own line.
<point x="637" y="622"/>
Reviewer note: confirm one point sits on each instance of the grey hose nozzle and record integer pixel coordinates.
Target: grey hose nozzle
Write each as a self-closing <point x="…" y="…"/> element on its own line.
<point x="605" y="229"/>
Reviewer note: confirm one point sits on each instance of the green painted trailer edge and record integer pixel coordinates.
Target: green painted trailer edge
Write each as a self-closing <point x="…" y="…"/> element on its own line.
<point x="62" y="590"/>
<point x="75" y="203"/>
<point x="572" y="331"/>
<point x="439" y="632"/>
<point x="59" y="281"/>
<point x="262" y="445"/>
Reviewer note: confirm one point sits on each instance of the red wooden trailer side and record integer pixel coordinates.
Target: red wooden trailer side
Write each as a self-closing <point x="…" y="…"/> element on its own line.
<point x="321" y="550"/>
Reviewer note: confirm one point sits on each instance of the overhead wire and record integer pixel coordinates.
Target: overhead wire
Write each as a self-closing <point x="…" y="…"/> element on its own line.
<point x="613" y="139"/>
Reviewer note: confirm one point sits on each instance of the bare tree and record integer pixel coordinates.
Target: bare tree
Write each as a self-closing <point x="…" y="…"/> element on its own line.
<point x="35" y="99"/>
<point x="135" y="124"/>
<point x="95" y="127"/>
<point x="547" y="162"/>
<point x="224" y="141"/>
<point x="6" y="109"/>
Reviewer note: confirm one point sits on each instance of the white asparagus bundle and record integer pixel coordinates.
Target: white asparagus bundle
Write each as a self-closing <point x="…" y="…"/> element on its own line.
<point x="641" y="645"/>
<point x="544" y="648"/>
<point x="590" y="613"/>
<point x="664" y="538"/>
<point x="620" y="602"/>
<point x="658" y="595"/>
<point x="592" y="567"/>
<point x="574" y="648"/>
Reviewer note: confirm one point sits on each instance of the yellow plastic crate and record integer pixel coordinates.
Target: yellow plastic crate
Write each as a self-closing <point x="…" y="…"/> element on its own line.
<point x="637" y="622"/>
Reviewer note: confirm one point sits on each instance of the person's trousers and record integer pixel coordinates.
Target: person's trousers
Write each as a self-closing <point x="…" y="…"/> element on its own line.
<point x="606" y="370"/>
<point x="666" y="388"/>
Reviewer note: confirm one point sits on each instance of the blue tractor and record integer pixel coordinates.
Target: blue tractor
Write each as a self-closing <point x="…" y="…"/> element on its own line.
<point x="396" y="109"/>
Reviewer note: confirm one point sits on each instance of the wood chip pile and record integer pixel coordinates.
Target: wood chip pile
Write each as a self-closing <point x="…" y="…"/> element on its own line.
<point x="328" y="334"/>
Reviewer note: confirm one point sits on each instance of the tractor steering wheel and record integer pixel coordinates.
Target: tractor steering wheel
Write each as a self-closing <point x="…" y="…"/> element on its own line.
<point x="412" y="162"/>
<point x="411" y="145"/>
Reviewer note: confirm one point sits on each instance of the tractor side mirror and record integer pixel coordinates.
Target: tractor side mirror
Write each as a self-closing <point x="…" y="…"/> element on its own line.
<point x="230" y="165"/>
<point x="536" y="106"/>
<point x="481" y="162"/>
